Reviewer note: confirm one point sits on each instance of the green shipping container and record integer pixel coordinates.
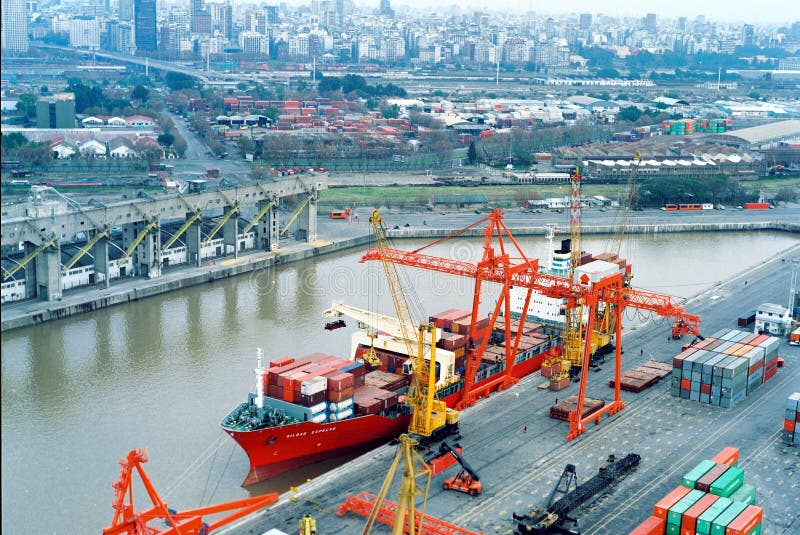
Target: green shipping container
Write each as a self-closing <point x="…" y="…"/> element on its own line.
<point x="703" y="526"/>
<point x="696" y="473"/>
<point x="745" y="494"/>
<point x="721" y="522"/>
<point x="728" y="483"/>
<point x="756" y="530"/>
<point x="672" y="529"/>
<point x="676" y="511"/>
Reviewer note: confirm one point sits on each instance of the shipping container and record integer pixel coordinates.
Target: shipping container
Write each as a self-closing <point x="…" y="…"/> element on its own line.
<point x="652" y="526"/>
<point x="690" y="479"/>
<point x="746" y="522"/>
<point x="705" y="482"/>
<point x="729" y="456"/>
<point x="720" y="523"/>
<point x="745" y="494"/>
<point x="717" y="508"/>
<point x="676" y="511"/>
<point x="689" y="519"/>
<point x="729" y="482"/>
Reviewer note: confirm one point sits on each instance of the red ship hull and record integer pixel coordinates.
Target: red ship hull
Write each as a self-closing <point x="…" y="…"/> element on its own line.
<point x="275" y="450"/>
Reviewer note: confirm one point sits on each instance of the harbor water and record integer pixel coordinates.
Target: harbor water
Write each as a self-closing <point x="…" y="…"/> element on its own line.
<point x="79" y="393"/>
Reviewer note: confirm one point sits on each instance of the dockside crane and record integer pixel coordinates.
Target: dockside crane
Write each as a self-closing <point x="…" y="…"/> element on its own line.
<point x="128" y="521"/>
<point x="499" y="268"/>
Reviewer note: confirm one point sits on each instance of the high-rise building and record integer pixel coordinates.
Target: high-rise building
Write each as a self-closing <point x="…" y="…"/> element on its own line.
<point x="650" y="22"/>
<point x="748" y="35"/>
<point x="56" y="111"/>
<point x="585" y="21"/>
<point x="84" y="32"/>
<point x="126" y="10"/>
<point x="272" y="14"/>
<point x="14" y="27"/>
<point x="145" y="25"/>
<point x="386" y="8"/>
<point x="339" y="12"/>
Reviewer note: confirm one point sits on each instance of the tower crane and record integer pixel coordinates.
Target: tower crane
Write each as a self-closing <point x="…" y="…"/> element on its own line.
<point x="499" y="268"/>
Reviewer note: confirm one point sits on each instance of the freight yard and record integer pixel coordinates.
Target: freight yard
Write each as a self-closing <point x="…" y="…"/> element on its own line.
<point x="511" y="440"/>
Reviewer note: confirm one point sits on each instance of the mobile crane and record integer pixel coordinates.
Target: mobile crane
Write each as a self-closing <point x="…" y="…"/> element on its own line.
<point x="467" y="480"/>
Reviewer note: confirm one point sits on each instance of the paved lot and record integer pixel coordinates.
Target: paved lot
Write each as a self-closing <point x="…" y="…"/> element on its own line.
<point x="519" y="468"/>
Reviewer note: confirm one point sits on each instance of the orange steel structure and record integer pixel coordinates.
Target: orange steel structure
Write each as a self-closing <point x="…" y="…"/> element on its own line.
<point x="498" y="266"/>
<point x="364" y="502"/>
<point x="190" y="522"/>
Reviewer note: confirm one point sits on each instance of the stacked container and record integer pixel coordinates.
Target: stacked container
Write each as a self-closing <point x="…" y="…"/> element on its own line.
<point x="724" y="368"/>
<point x="791" y="420"/>
<point x="711" y="500"/>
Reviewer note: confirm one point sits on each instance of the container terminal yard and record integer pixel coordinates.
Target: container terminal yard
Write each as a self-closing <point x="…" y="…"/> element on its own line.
<point x="520" y="452"/>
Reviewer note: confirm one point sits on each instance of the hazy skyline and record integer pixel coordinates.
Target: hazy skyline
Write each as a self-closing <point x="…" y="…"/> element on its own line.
<point x="765" y="11"/>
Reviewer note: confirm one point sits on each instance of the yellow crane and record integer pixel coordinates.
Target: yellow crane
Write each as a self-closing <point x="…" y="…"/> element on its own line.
<point x="430" y="414"/>
<point x="573" y="339"/>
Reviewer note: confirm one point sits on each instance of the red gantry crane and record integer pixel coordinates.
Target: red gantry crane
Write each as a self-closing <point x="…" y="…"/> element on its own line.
<point x="498" y="266"/>
<point x="127" y="521"/>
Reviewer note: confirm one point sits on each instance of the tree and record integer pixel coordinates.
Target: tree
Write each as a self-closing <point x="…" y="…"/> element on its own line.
<point x="472" y="153"/>
<point x="140" y="93"/>
<point x="180" y="145"/>
<point x="9" y="143"/>
<point x="148" y="151"/>
<point x="26" y="105"/>
<point x="177" y="81"/>
<point x="390" y="112"/>
<point x="329" y="84"/>
<point x="631" y="113"/>
<point x="166" y="139"/>
<point x="37" y="154"/>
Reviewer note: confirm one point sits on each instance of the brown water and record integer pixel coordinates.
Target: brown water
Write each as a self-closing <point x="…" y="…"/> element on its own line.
<point x="78" y="394"/>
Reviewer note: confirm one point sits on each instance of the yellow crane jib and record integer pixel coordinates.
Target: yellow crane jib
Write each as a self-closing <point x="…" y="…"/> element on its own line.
<point x="197" y="215"/>
<point x="85" y="249"/>
<point x="295" y="214"/>
<point x="259" y="215"/>
<point x="233" y="211"/>
<point x="132" y="247"/>
<point x="30" y="256"/>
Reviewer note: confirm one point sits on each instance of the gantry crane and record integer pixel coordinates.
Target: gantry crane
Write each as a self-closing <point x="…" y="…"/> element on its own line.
<point x="127" y="521"/>
<point x="430" y="415"/>
<point x="573" y="317"/>
<point x="499" y="268"/>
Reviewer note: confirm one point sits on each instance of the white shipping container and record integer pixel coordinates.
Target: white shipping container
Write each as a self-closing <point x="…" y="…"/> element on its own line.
<point x="596" y="270"/>
<point x="341" y="405"/>
<point x="342" y="415"/>
<point x="318" y="408"/>
<point x="319" y="418"/>
<point x="313" y="386"/>
<point x="707" y="206"/>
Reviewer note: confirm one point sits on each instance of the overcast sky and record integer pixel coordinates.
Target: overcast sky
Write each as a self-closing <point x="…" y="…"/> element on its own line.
<point x="758" y="11"/>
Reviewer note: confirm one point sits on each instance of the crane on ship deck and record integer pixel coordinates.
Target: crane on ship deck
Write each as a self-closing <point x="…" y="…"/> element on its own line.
<point x="499" y="267"/>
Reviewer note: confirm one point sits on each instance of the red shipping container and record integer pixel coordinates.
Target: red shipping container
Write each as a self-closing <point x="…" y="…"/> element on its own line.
<point x="789" y="425"/>
<point x="686" y="384"/>
<point x="705" y="388"/>
<point x="677" y="360"/>
<point x="661" y="508"/>
<point x="283" y="361"/>
<point x="339" y="380"/>
<point x="746" y="521"/>
<point x="275" y="373"/>
<point x="652" y="526"/>
<point x="689" y="518"/>
<point x="339" y="395"/>
<point x="728" y="456"/>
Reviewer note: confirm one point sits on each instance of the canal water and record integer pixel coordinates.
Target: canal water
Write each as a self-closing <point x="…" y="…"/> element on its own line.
<point x="78" y="394"/>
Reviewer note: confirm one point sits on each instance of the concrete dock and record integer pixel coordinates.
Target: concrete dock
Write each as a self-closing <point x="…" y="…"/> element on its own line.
<point x="520" y="452"/>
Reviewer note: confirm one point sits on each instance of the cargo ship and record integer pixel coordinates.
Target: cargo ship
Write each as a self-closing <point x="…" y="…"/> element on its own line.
<point x="308" y="409"/>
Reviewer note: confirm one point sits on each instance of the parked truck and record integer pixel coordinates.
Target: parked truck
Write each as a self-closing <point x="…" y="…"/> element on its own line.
<point x="340" y="214"/>
<point x="746" y="319"/>
<point x="794" y="337"/>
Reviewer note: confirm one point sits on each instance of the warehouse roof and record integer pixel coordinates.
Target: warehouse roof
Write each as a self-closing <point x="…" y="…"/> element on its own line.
<point x="766" y="132"/>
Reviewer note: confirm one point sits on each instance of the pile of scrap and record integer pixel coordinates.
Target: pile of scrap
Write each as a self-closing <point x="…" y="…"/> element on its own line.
<point x="561" y="411"/>
<point x="643" y="376"/>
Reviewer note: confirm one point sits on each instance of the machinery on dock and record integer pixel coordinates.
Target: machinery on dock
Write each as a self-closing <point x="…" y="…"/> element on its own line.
<point x="467" y="480"/>
<point x="308" y="525"/>
<point x="129" y="522"/>
<point x="552" y="518"/>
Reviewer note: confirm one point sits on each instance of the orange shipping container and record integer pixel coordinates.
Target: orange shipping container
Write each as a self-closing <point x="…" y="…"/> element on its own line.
<point x="789" y="425"/>
<point x="661" y="508"/>
<point x="729" y="456"/>
<point x="746" y="521"/>
<point x="651" y="526"/>
<point x="689" y="518"/>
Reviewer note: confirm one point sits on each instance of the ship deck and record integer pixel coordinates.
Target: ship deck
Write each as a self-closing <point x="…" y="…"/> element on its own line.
<point x="520" y="452"/>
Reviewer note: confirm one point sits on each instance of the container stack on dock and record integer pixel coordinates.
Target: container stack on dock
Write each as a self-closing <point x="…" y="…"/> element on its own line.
<point x="643" y="376"/>
<point x="724" y="368"/>
<point x="711" y="500"/>
<point x="561" y="411"/>
<point x="791" y="420"/>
